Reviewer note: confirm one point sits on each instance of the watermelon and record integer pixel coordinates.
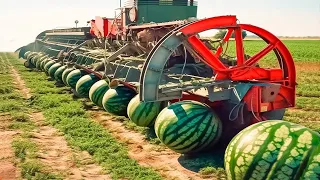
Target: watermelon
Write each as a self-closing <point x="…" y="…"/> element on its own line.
<point x="48" y="65"/>
<point x="27" y="64"/>
<point x="44" y="62"/>
<point x="188" y="127"/>
<point x="36" y="58"/>
<point x="31" y="55"/>
<point x="84" y="84"/>
<point x="97" y="92"/>
<point x="273" y="149"/>
<point x="38" y="63"/>
<point x="58" y="73"/>
<point x="65" y="75"/>
<point x="53" y="69"/>
<point x="116" y="100"/>
<point x="74" y="76"/>
<point x="26" y="54"/>
<point x="143" y="113"/>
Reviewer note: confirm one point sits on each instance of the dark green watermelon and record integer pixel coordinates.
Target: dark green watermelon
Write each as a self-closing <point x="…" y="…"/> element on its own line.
<point x="74" y="76"/>
<point x="188" y="127"/>
<point x="38" y="63"/>
<point x="53" y="69"/>
<point x="274" y="149"/>
<point x="97" y="92"/>
<point x="26" y="54"/>
<point x="44" y="62"/>
<point x="116" y="100"/>
<point x="143" y="113"/>
<point x="84" y="84"/>
<point x="48" y="65"/>
<point x="58" y="73"/>
<point x="36" y="58"/>
<point x="31" y="55"/>
<point x="65" y="75"/>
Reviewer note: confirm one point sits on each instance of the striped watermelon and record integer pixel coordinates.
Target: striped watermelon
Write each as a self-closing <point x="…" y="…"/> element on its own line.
<point x="116" y="100"/>
<point x="143" y="113"/>
<point x="58" y="73"/>
<point x="48" y="65"/>
<point x="74" y="76"/>
<point x="274" y="149"/>
<point x="65" y="75"/>
<point x="26" y="54"/>
<point x="38" y="63"/>
<point x="97" y="92"/>
<point x="43" y="63"/>
<point x="31" y="55"/>
<point x="84" y="84"/>
<point x="53" y="69"/>
<point x="35" y="59"/>
<point x="188" y="126"/>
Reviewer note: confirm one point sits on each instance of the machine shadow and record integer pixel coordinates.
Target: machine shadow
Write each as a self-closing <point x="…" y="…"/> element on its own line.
<point x="213" y="156"/>
<point x="194" y="162"/>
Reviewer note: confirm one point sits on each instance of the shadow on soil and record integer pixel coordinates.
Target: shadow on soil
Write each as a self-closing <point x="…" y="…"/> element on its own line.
<point x="195" y="162"/>
<point x="213" y="157"/>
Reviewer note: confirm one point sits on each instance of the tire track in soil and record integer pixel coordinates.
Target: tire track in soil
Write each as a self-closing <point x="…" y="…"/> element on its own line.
<point x="163" y="161"/>
<point x="8" y="170"/>
<point x="54" y="151"/>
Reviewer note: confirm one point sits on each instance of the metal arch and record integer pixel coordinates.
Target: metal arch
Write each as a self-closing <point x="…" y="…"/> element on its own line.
<point x="154" y="65"/>
<point x="145" y="68"/>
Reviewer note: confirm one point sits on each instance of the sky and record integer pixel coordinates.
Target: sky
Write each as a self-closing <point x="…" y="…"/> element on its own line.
<point x="22" y="20"/>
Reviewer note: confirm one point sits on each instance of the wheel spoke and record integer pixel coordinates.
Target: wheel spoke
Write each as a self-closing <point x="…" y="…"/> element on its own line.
<point x="207" y="55"/>
<point x="239" y="46"/>
<point x="225" y="39"/>
<point x="260" y="55"/>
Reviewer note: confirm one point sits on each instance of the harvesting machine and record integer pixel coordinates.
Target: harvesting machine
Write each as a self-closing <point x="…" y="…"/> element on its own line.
<point x="152" y="53"/>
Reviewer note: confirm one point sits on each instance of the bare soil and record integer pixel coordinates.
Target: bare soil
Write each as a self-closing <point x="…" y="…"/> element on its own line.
<point x="8" y="170"/>
<point x="163" y="160"/>
<point x="54" y="150"/>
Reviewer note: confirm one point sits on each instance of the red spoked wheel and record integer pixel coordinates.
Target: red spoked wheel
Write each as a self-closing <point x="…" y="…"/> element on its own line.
<point x="245" y="69"/>
<point x="246" y="92"/>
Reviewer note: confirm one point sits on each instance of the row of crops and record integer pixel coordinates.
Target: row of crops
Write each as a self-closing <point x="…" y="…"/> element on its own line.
<point x="273" y="149"/>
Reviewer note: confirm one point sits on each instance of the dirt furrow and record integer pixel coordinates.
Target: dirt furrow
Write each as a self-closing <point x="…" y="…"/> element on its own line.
<point x="54" y="151"/>
<point x="8" y="170"/>
<point x="165" y="161"/>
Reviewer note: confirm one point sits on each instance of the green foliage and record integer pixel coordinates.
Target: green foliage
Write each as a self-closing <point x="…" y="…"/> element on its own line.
<point x="211" y="172"/>
<point x="22" y="147"/>
<point x="34" y="170"/>
<point x="221" y="33"/>
<point x="70" y="117"/>
<point x="306" y="112"/>
<point x="301" y="51"/>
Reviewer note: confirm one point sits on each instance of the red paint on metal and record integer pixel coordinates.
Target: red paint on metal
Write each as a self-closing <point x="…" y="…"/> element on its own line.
<point x="207" y="24"/>
<point x="259" y="55"/>
<point x="225" y="39"/>
<point x="246" y="70"/>
<point x="207" y="55"/>
<point x="105" y="27"/>
<point x="239" y="46"/>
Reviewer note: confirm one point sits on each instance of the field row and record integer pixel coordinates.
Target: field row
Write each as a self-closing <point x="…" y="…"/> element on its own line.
<point x="93" y="130"/>
<point x="301" y="50"/>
